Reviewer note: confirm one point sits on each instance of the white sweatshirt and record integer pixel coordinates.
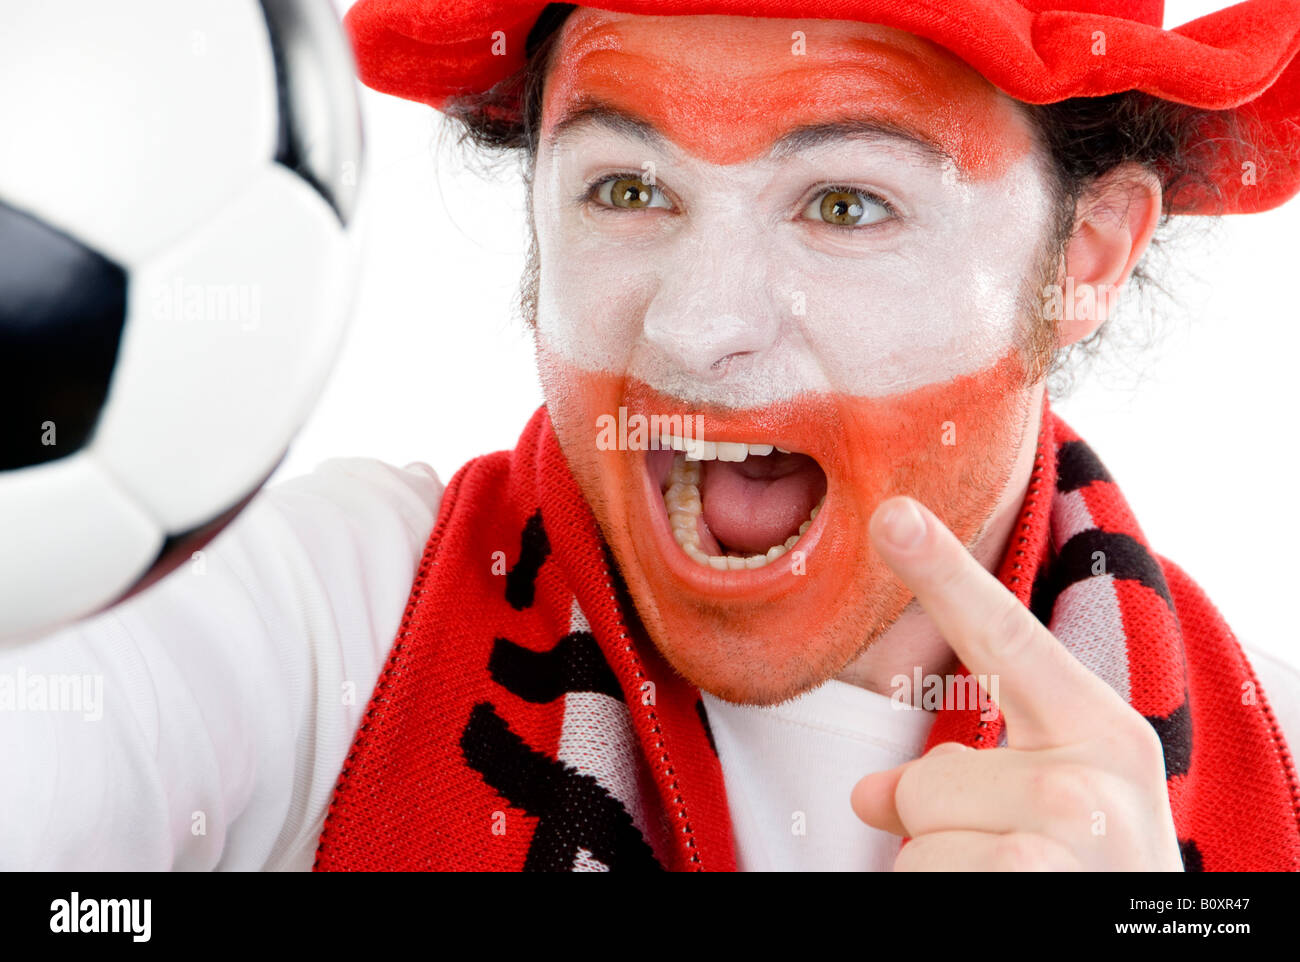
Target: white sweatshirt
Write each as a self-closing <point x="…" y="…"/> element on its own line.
<point x="203" y="724"/>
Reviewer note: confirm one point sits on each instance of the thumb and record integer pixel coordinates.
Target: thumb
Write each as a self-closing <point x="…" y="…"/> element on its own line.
<point x="872" y="797"/>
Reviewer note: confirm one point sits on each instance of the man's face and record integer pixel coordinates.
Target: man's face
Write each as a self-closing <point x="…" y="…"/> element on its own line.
<point x="827" y="242"/>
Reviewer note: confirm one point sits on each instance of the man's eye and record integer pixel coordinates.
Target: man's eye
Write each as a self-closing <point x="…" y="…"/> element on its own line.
<point x="846" y="207"/>
<point x="629" y="192"/>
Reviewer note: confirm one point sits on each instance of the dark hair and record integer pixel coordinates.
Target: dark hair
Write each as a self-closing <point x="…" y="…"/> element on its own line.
<point x="508" y="116"/>
<point x="1084" y="138"/>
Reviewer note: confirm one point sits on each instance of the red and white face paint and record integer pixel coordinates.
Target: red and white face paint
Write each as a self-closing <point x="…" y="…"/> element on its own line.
<point x="858" y="301"/>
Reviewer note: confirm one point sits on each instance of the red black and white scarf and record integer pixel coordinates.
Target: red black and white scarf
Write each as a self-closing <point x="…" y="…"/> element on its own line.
<point x="518" y="725"/>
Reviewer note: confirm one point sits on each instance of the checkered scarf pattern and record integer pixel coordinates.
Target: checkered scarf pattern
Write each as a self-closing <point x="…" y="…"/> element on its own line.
<point x="518" y="724"/>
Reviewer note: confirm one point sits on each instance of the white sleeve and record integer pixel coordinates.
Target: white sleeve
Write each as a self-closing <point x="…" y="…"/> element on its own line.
<point x="1281" y="683"/>
<point x="203" y="723"/>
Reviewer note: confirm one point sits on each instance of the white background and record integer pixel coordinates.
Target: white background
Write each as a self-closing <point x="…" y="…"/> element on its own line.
<point x="1198" y="429"/>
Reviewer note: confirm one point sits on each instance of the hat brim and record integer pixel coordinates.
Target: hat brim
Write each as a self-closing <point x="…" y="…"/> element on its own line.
<point x="1241" y="60"/>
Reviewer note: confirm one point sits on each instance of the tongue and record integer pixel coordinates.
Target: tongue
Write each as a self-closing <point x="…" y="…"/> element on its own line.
<point x="755" y="504"/>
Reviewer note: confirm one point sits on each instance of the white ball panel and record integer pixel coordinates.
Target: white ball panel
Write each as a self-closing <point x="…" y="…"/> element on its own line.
<point x="126" y="123"/>
<point x="73" y="542"/>
<point x="228" y="340"/>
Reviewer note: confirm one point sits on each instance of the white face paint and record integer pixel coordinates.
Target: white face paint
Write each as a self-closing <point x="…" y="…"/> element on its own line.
<point x="729" y="289"/>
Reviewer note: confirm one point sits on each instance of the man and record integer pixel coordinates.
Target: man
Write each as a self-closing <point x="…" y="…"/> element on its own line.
<point x="796" y="474"/>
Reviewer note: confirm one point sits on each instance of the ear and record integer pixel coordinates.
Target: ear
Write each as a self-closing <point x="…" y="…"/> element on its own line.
<point x="1113" y="224"/>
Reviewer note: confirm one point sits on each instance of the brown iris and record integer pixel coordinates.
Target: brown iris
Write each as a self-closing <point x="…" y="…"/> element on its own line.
<point x="838" y="207"/>
<point x="630" y="192"/>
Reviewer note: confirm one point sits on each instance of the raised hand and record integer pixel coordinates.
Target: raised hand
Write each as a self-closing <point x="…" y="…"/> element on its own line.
<point x="1080" y="784"/>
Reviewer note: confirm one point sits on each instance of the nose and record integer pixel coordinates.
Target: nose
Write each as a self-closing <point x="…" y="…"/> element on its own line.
<point x="711" y="310"/>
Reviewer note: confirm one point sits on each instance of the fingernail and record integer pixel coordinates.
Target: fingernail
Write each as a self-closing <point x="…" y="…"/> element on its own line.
<point x="902" y="525"/>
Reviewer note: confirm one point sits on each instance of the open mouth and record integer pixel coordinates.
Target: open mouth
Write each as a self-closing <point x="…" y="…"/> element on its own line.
<point x="735" y="506"/>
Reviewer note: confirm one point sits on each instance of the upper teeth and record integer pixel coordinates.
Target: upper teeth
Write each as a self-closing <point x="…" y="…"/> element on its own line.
<point x="697" y="450"/>
<point x="685" y="517"/>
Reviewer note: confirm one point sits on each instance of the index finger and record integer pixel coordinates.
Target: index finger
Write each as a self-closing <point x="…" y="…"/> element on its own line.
<point x="1047" y="696"/>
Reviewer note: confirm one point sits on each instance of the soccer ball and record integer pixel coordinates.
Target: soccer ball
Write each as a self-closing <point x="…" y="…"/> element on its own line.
<point x="177" y="263"/>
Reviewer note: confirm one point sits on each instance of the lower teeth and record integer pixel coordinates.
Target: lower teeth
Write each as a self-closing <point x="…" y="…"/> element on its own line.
<point x="685" y="508"/>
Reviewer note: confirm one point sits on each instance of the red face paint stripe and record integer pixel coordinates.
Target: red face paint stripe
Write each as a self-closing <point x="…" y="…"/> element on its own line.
<point x="725" y="89"/>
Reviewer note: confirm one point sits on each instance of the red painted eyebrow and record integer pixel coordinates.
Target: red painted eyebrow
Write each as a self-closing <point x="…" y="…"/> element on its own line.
<point x="602" y="114"/>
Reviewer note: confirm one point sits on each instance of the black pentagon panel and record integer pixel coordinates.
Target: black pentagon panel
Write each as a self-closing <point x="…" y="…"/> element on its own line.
<point x="319" y="134"/>
<point x="62" y="312"/>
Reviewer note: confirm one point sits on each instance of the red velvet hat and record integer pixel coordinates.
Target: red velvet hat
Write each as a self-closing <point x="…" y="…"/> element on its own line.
<point x="1241" y="59"/>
